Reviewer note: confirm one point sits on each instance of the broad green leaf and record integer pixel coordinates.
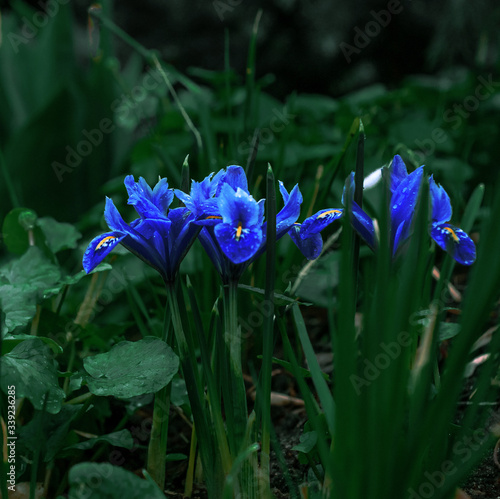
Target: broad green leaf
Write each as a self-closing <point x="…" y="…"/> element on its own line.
<point x="307" y="442"/>
<point x="32" y="268"/>
<point x="58" y="235"/>
<point x="179" y="394"/>
<point x="9" y="342"/>
<point x="18" y="304"/>
<point x="48" y="433"/>
<point x="121" y="438"/>
<point x="30" y="368"/>
<point x="22" y="283"/>
<point x="131" y="368"/>
<point x="105" y="481"/>
<point x="15" y="229"/>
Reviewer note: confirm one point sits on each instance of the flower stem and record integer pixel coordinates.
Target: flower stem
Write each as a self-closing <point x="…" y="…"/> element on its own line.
<point x="209" y="451"/>
<point x="268" y="339"/>
<point x="237" y="403"/>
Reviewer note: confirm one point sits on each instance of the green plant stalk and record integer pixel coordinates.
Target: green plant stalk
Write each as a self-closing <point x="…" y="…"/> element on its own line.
<point x="250" y="77"/>
<point x="268" y="340"/>
<point x="213" y="395"/>
<point x="209" y="451"/>
<point x="188" y="486"/>
<point x="157" y="449"/>
<point x="232" y="338"/>
<point x="358" y="198"/>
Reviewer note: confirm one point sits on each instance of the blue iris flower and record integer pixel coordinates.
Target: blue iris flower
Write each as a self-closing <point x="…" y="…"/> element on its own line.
<point x="405" y="190"/>
<point x="234" y="235"/>
<point x="306" y="235"/>
<point x="448" y="237"/>
<point x="160" y="236"/>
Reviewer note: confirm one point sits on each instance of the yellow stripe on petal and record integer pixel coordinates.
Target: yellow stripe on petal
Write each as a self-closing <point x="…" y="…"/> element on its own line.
<point x="215" y="217"/>
<point x="238" y="231"/>
<point x="452" y="232"/>
<point x="326" y="213"/>
<point x="105" y="242"/>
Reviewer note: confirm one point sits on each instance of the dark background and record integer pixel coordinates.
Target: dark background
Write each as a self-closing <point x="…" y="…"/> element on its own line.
<point x="301" y="42"/>
<point x="50" y="93"/>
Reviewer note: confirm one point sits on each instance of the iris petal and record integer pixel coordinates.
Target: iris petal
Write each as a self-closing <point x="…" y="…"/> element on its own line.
<point x="360" y="221"/>
<point x="398" y="237"/>
<point x="113" y="217"/>
<point x="290" y="212"/>
<point x="147" y="227"/>
<point x="162" y="195"/>
<point x="363" y="225"/>
<point x="441" y="205"/>
<point x="310" y="246"/>
<point x="317" y="222"/>
<point x="99" y="248"/>
<point x="403" y="203"/>
<point x="235" y="177"/>
<point x="146" y="203"/>
<point x="455" y="241"/>
<point x="238" y="248"/>
<point x="238" y="207"/>
<point x="398" y="172"/>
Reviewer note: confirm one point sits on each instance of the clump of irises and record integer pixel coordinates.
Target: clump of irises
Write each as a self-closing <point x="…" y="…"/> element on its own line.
<point x="231" y="225"/>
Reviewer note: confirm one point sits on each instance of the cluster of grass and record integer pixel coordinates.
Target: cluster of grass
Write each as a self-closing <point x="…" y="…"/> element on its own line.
<point x="375" y="428"/>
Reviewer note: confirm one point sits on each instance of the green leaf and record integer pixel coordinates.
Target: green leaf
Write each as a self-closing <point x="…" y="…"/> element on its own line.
<point x="122" y="438"/>
<point x="307" y="442"/>
<point x="48" y="434"/>
<point x="24" y="281"/>
<point x="19" y="305"/>
<point x="131" y="368"/>
<point x="288" y="366"/>
<point x="9" y="342"/>
<point x="58" y="236"/>
<point x="448" y="330"/>
<point x="15" y="229"/>
<point x="32" y="268"/>
<point x="279" y="299"/>
<point x="104" y="481"/>
<point x="30" y="368"/>
<point x="472" y="208"/>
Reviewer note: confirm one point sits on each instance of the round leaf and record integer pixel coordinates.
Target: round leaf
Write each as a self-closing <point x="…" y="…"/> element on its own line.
<point x="105" y="481"/>
<point x="131" y="368"/>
